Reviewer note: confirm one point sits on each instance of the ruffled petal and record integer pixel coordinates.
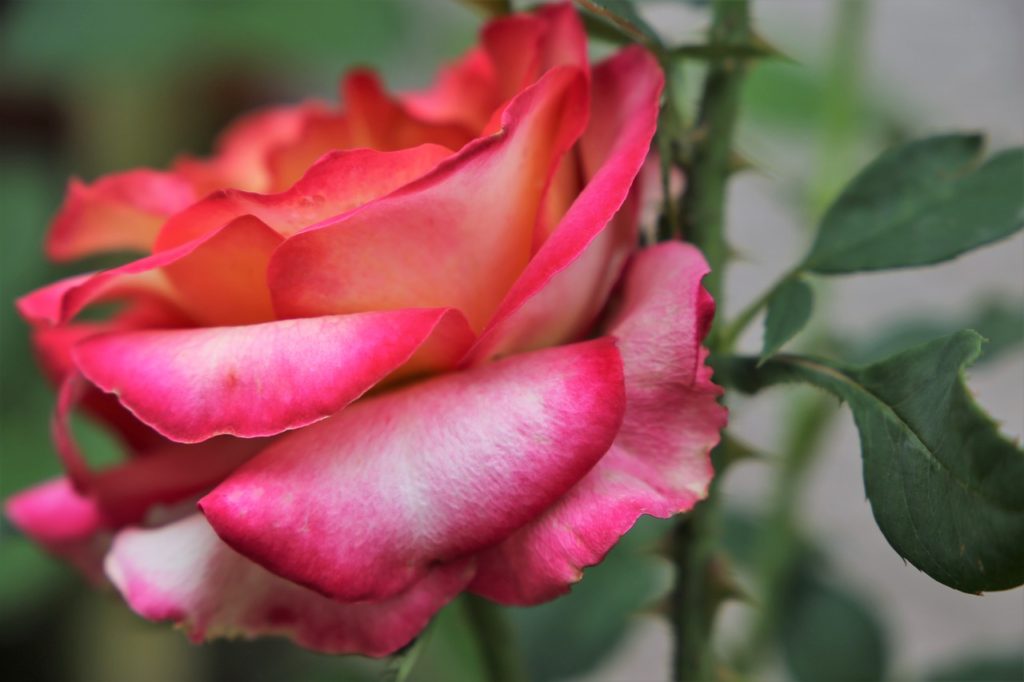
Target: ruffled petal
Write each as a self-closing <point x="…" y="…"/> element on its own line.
<point x="561" y="291"/>
<point x="338" y="182"/>
<point x="119" y="212"/>
<point x="361" y="505"/>
<point x="183" y="572"/>
<point x="457" y="238"/>
<point x="259" y="380"/>
<point x="660" y="463"/>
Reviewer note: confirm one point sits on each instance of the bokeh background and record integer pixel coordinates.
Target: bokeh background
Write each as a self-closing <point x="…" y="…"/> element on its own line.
<point x="89" y="87"/>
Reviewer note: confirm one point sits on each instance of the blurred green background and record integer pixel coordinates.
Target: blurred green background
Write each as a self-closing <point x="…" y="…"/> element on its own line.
<point x="91" y="87"/>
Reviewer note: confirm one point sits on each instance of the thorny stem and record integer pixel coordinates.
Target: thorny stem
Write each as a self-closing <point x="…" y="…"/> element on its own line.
<point x="811" y="415"/>
<point x="698" y="583"/>
<point x="708" y="169"/>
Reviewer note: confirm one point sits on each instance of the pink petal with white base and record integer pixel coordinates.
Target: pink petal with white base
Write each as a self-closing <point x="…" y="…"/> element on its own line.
<point x="259" y="380"/>
<point x="660" y="463"/>
<point x="361" y="505"/>
<point x="183" y="572"/>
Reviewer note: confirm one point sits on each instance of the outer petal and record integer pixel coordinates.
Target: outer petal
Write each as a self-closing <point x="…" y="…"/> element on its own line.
<point x="338" y="182"/>
<point x="660" y="462"/>
<point x="259" y="380"/>
<point x="167" y="475"/>
<point x="457" y="238"/>
<point x="185" y="573"/>
<point x="53" y="348"/>
<point x="69" y="525"/>
<point x="561" y="291"/>
<point x="218" y="278"/>
<point x="120" y="212"/>
<point x="361" y="505"/>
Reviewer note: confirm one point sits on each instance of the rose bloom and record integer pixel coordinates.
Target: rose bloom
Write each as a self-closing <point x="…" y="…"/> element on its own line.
<point x="381" y="354"/>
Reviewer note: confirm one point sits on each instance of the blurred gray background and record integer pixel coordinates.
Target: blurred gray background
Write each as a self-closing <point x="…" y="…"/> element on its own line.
<point x="942" y="65"/>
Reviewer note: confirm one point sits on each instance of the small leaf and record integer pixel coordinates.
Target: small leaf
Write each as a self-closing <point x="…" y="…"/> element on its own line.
<point x="828" y="633"/>
<point x="921" y="203"/>
<point x="789" y="308"/>
<point x="944" y="485"/>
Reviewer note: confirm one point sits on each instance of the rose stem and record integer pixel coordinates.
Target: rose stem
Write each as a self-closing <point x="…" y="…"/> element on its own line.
<point x="699" y="581"/>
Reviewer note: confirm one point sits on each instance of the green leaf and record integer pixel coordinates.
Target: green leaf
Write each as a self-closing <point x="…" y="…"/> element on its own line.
<point x="1001" y="322"/>
<point x="789" y="308"/>
<point x="995" y="667"/>
<point x="829" y="633"/>
<point x="944" y="485"/>
<point x="920" y="203"/>
<point x="570" y="636"/>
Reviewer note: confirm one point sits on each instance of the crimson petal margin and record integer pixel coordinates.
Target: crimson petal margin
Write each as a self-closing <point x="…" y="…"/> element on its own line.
<point x="248" y="381"/>
<point x="660" y="462"/>
<point x="361" y="505"/>
<point x="565" y="284"/>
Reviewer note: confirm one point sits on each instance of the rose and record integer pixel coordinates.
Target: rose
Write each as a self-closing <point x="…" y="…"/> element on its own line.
<point x="380" y="347"/>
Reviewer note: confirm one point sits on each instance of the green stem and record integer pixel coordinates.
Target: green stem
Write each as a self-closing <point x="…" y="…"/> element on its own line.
<point x="497" y="641"/>
<point x="702" y="218"/>
<point x="731" y="331"/>
<point x="707" y="172"/>
<point x="779" y="546"/>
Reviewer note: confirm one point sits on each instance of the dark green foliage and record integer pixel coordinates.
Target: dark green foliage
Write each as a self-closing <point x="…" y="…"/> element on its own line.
<point x="828" y="633"/>
<point x="572" y="635"/>
<point x="921" y="203"/>
<point x="944" y="485"/>
<point x="1001" y="322"/>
